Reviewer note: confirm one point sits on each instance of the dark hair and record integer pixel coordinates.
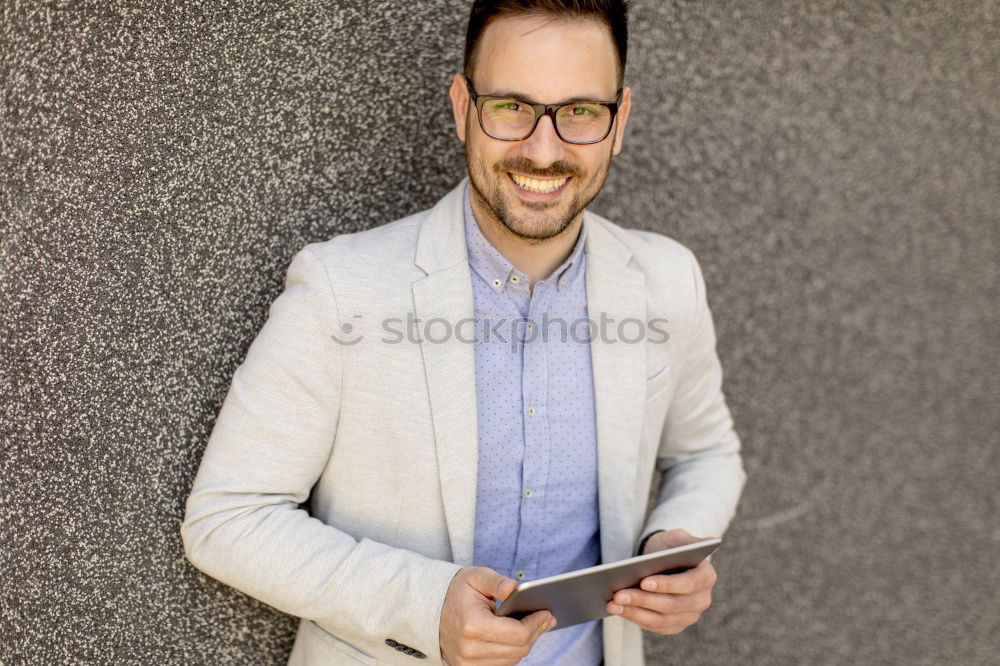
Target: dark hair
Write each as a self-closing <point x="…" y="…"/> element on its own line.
<point x="614" y="13"/>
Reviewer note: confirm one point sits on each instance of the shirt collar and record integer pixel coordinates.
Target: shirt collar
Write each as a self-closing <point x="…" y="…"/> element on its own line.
<point x="498" y="272"/>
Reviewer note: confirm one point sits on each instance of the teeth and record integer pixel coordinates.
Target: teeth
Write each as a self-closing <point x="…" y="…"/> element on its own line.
<point x="539" y="186"/>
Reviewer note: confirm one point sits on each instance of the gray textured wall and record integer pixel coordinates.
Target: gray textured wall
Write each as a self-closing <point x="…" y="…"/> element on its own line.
<point x="834" y="166"/>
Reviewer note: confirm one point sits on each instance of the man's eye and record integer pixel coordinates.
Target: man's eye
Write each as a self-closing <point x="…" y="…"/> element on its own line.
<point x="583" y="111"/>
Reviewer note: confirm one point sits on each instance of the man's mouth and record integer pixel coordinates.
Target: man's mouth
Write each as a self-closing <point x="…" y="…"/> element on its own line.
<point x="538" y="185"/>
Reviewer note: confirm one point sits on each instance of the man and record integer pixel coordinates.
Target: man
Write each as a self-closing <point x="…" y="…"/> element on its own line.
<point x="446" y="457"/>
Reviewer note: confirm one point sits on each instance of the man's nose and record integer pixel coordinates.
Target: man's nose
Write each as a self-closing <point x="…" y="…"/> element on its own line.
<point x="544" y="146"/>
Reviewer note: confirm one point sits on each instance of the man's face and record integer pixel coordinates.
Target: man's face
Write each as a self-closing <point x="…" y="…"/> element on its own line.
<point x="548" y="61"/>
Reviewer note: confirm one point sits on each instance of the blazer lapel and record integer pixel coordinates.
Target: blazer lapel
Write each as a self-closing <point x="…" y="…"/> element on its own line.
<point x="445" y="294"/>
<point x="616" y="292"/>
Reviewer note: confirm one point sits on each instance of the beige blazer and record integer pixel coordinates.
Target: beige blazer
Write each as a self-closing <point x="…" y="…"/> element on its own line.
<point x="337" y="405"/>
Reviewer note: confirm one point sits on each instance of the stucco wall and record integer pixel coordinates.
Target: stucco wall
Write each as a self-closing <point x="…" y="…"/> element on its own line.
<point x="833" y="165"/>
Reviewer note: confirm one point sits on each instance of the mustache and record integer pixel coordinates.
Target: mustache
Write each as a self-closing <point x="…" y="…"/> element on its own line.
<point x="524" y="166"/>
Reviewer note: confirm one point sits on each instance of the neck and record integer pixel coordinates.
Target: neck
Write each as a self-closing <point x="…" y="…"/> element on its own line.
<point x="536" y="258"/>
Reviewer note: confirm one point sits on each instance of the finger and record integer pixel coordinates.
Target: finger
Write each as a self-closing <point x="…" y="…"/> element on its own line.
<point x="502" y="630"/>
<point x="508" y="631"/>
<point x="697" y="602"/>
<point x="701" y="577"/>
<point x="659" y="622"/>
<point x="483" y="652"/>
<point x="539" y="622"/>
<point x="490" y="583"/>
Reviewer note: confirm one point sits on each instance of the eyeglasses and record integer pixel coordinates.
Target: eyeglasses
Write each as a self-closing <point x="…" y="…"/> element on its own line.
<point x="512" y="119"/>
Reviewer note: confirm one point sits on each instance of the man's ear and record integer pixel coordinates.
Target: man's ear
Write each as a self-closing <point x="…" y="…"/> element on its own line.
<point x="621" y="119"/>
<point x="459" y="95"/>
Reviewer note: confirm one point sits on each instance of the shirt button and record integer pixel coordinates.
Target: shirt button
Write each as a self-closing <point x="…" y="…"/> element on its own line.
<point x="528" y="493"/>
<point x="562" y="280"/>
<point x="497" y="282"/>
<point x="531" y="411"/>
<point x="531" y="325"/>
<point x="515" y="279"/>
<point x="520" y="574"/>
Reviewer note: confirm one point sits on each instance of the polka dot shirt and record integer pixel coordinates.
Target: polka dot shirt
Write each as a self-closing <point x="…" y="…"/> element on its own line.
<point x="536" y="499"/>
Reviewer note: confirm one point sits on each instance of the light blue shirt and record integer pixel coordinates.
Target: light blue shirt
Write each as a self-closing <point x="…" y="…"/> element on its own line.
<point x="536" y="497"/>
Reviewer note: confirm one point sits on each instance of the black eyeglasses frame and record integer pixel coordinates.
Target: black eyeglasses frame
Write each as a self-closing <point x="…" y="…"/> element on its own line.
<point x="549" y="110"/>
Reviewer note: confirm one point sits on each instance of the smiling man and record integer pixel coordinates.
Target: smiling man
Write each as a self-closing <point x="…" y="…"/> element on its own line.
<point x="442" y="469"/>
<point x="538" y="138"/>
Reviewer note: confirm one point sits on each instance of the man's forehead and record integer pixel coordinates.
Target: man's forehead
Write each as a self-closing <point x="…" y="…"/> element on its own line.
<point x="547" y="59"/>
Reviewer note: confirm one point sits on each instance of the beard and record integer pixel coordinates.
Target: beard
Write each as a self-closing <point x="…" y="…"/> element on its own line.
<point x="532" y="220"/>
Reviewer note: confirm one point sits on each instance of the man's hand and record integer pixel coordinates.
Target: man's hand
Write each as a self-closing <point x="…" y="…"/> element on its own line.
<point x="667" y="604"/>
<point x="472" y="634"/>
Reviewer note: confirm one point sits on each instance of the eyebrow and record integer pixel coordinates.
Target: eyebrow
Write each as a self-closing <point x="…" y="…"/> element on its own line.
<point x="525" y="98"/>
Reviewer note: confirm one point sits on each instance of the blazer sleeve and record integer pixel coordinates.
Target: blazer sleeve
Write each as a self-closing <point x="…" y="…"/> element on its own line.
<point x="272" y="439"/>
<point x="699" y="452"/>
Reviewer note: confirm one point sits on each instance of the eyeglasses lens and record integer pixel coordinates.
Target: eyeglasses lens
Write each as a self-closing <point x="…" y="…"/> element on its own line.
<point x="514" y="120"/>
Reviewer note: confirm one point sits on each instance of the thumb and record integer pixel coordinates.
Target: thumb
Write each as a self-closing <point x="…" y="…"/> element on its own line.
<point x="492" y="584"/>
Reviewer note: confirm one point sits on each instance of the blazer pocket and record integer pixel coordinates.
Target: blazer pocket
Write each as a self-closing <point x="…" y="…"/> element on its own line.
<point x="342" y="647"/>
<point x="657" y="382"/>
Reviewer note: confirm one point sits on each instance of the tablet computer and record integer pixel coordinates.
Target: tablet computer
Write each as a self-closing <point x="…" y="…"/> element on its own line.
<point x="582" y="595"/>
